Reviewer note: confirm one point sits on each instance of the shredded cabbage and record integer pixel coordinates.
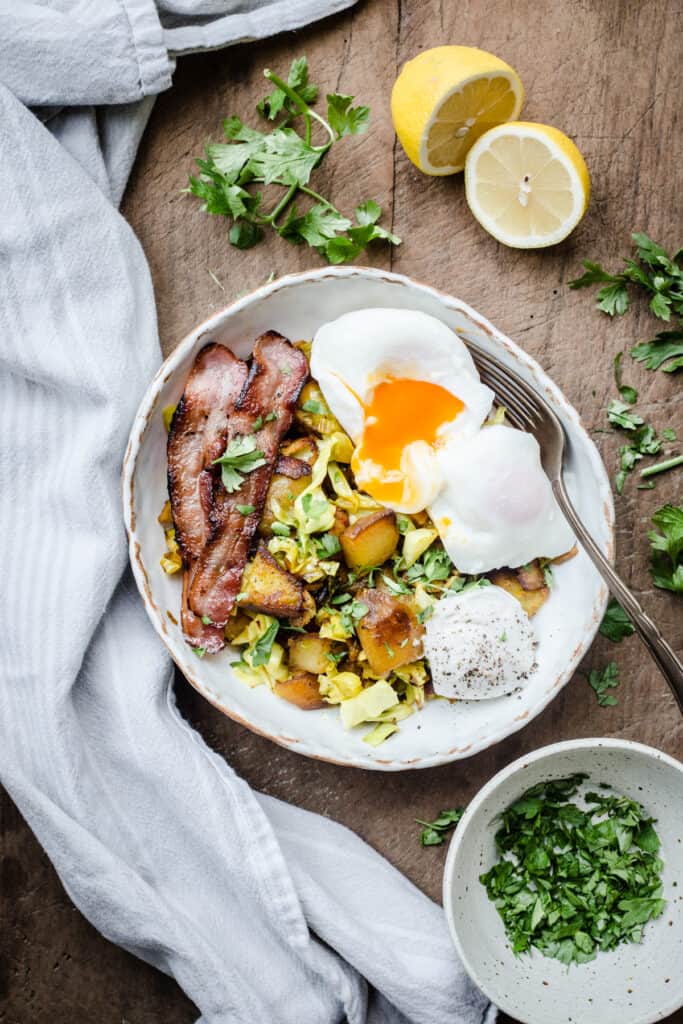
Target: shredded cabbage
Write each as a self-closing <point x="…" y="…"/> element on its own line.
<point x="415" y="543"/>
<point x="338" y="687"/>
<point x="367" y="705"/>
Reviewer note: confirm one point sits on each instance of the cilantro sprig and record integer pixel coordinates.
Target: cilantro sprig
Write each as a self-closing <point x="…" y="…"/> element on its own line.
<point x="240" y="457"/>
<point x="572" y="882"/>
<point x="287" y="158"/>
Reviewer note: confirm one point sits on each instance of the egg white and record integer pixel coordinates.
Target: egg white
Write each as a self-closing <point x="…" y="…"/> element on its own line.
<point x="496" y="507"/>
<point x="352" y="354"/>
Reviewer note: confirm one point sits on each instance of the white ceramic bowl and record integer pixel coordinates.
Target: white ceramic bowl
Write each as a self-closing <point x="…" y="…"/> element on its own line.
<point x="633" y="984"/>
<point x="296" y="306"/>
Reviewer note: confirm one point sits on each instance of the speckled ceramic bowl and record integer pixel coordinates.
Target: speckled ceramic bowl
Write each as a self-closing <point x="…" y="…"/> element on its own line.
<point x="296" y="306"/>
<point x="633" y="984"/>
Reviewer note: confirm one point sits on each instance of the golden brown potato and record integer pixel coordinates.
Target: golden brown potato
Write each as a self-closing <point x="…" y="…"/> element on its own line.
<point x="371" y="540"/>
<point x="566" y="556"/>
<point x="312" y="411"/>
<point x="301" y="689"/>
<point x="531" y="576"/>
<point x="267" y="587"/>
<point x="389" y="634"/>
<point x="308" y="652"/>
<point x="283" y="491"/>
<point x="530" y="600"/>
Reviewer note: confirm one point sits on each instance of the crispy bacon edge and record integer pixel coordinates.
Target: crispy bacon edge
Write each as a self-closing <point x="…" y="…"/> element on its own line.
<point x="277" y="374"/>
<point x="196" y="437"/>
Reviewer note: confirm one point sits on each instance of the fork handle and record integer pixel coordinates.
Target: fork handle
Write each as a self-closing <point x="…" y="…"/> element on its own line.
<point x="669" y="664"/>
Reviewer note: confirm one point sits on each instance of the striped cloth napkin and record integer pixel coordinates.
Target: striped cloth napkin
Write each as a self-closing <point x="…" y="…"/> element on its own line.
<point x="264" y="913"/>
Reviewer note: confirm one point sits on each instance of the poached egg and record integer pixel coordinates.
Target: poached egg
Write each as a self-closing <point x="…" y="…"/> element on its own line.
<point x="406" y="390"/>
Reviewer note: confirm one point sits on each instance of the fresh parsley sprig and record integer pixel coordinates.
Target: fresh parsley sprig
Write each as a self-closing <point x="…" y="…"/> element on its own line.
<point x="653" y="271"/>
<point x="240" y="457"/>
<point x="286" y="158"/>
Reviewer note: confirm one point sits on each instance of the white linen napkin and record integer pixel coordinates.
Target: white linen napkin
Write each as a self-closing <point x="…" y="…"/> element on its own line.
<point x="264" y="913"/>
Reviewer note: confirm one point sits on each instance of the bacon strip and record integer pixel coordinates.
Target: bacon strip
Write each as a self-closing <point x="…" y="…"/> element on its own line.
<point x="276" y="377"/>
<point x="196" y="438"/>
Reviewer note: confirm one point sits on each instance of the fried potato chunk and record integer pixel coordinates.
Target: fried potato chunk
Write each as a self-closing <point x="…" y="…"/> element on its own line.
<point x="389" y="634"/>
<point x="267" y="587"/>
<point x="371" y="540"/>
<point x="301" y="689"/>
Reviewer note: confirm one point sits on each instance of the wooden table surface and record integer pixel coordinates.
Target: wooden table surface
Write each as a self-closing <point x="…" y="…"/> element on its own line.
<point x="607" y="72"/>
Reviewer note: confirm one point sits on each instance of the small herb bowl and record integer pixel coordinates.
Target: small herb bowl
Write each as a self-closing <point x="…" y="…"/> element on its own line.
<point x="636" y="983"/>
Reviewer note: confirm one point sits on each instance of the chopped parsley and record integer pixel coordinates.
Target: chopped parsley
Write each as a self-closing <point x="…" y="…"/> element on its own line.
<point x="245" y="510"/>
<point x="262" y="649"/>
<point x="573" y="882"/>
<point x="434" y="832"/>
<point x="311" y="405"/>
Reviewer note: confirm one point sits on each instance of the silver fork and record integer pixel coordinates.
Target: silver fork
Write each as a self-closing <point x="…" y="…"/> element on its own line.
<point x="528" y="410"/>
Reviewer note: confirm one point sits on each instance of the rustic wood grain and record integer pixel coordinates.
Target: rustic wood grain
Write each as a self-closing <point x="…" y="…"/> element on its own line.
<point x="609" y="74"/>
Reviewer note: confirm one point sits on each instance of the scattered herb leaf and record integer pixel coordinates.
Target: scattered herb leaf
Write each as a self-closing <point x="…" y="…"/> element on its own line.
<point x="616" y="624"/>
<point x="241" y="456"/>
<point x="666" y="565"/>
<point x="434" y="832"/>
<point x="605" y="679"/>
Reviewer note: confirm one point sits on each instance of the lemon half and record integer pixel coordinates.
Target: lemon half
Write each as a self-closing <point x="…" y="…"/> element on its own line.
<point x="445" y="98"/>
<point x="527" y="184"/>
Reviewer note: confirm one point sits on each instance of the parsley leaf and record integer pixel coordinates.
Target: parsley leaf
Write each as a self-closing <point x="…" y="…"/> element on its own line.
<point x="629" y="394"/>
<point x="603" y="680"/>
<point x="262" y="649"/>
<point x="245" y="510"/>
<point x="434" y="832"/>
<point x="345" y="119"/>
<point x="279" y="101"/>
<point x="619" y="415"/>
<point x="616" y="624"/>
<point x="241" y="456"/>
<point x="665" y="351"/>
<point x="667" y="548"/>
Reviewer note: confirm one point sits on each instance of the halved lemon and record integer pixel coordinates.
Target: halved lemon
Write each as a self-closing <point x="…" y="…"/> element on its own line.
<point x="527" y="184"/>
<point x="445" y="98"/>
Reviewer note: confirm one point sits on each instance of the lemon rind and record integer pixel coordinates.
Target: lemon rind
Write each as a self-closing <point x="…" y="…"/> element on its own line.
<point x="518" y="90"/>
<point x="580" y="190"/>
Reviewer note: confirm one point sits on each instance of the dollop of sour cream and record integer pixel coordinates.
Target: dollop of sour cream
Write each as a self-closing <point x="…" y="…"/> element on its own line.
<point x="479" y="644"/>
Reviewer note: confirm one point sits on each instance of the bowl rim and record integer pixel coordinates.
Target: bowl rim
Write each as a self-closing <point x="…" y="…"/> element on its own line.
<point x="144" y="413"/>
<point x="610" y="742"/>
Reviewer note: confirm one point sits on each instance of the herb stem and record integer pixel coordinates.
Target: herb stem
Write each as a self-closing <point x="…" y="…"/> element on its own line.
<point x="307" y="111"/>
<point x="283" y="203"/>
<point x="661" y="467"/>
<point x="319" y="198"/>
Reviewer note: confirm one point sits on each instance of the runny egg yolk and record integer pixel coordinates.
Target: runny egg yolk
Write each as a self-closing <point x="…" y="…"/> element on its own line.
<point x="399" y="412"/>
